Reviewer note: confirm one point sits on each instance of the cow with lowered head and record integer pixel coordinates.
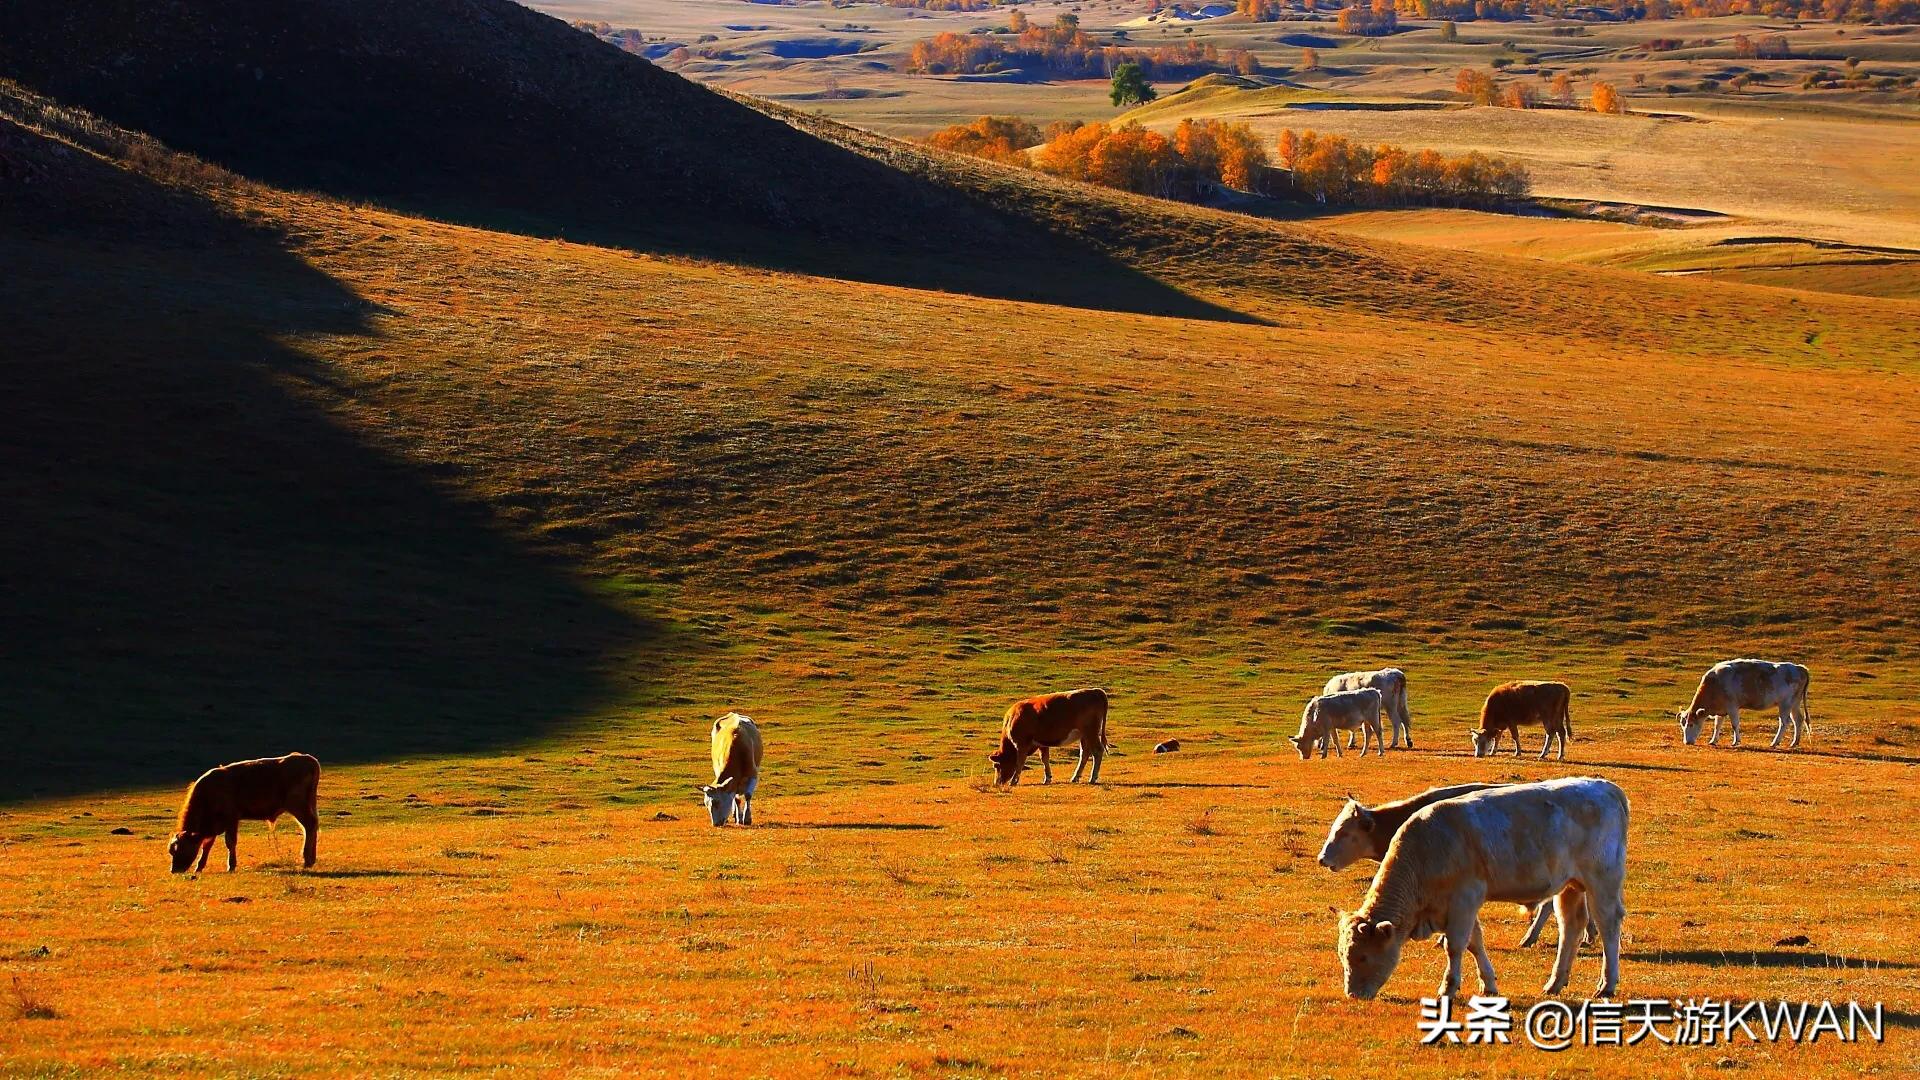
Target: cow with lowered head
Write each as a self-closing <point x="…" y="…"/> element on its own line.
<point x="1732" y="685"/>
<point x="1042" y="723"/>
<point x="258" y="790"/>
<point x="736" y="770"/>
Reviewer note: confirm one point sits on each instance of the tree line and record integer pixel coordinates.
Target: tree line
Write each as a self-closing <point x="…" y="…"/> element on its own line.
<point x="1371" y="17"/>
<point x="1065" y="50"/>
<point x="1335" y="169"/>
<point x="1323" y="168"/>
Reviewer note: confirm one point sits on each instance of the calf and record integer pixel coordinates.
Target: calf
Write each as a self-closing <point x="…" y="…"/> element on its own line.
<point x="1732" y="685"/>
<point x="1344" y="711"/>
<point x="1516" y="704"/>
<point x="1392" y="684"/>
<point x="1046" y="722"/>
<point x="1564" y="839"/>
<point x="1362" y="832"/>
<point x="258" y="790"/>
<point x="736" y="770"/>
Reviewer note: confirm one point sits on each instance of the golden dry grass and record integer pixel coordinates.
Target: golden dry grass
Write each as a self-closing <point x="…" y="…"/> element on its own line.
<point x="869" y="515"/>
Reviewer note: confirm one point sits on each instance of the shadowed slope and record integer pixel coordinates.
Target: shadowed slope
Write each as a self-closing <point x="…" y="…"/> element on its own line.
<point x="485" y="112"/>
<point x="199" y="564"/>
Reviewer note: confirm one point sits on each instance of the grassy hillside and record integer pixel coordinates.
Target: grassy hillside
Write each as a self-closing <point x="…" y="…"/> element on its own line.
<point x="495" y="522"/>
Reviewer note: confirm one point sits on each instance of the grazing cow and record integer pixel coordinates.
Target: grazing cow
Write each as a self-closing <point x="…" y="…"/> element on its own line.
<point x="1732" y="685"/>
<point x="1392" y="684"/>
<point x="1328" y="714"/>
<point x="258" y="790"/>
<point x="1516" y="704"/>
<point x="736" y="770"/>
<point x="1046" y="722"/>
<point x="1363" y="832"/>
<point x="1564" y="839"/>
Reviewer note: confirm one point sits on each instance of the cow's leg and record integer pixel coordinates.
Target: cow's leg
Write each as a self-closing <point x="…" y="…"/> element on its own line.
<point x="233" y="847"/>
<point x="1714" y="739"/>
<point x="1571" y="906"/>
<point x="206" y="848"/>
<point x="1463" y="925"/>
<point x="1541" y="912"/>
<point x="1516" y="742"/>
<point x="1479" y="947"/>
<point x="1733" y="721"/>
<point x="1099" y="759"/>
<point x="1334" y="738"/>
<point x="1046" y="765"/>
<point x="1610" y="910"/>
<point x="309" y="819"/>
<point x="1079" y="764"/>
<point x="746" y="802"/>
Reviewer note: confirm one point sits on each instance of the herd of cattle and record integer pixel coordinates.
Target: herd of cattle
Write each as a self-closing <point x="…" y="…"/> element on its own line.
<point x="1442" y="853"/>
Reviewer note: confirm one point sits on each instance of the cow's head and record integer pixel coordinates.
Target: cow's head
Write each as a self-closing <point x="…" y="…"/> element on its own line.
<point x="184" y="848"/>
<point x="1302" y="743"/>
<point x="1691" y="721"/>
<point x="1351" y="837"/>
<point x="1007" y="763"/>
<point x="1369" y="951"/>
<point x="719" y="802"/>
<point x="1482" y="741"/>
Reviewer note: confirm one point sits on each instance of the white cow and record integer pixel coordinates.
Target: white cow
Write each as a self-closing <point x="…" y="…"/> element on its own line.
<point x="736" y="769"/>
<point x="1392" y="684"/>
<point x="1732" y="685"/>
<point x="1329" y="714"/>
<point x="1565" y="839"/>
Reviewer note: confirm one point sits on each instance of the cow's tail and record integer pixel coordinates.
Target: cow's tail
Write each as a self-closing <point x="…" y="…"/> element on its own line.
<point x="1806" y="714"/>
<point x="1105" y="743"/>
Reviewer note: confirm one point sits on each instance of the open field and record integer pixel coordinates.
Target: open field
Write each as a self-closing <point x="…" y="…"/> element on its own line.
<point x="493" y="504"/>
<point x="1772" y="159"/>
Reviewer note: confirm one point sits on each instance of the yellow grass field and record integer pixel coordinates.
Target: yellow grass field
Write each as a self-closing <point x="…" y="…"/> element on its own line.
<point x="496" y="522"/>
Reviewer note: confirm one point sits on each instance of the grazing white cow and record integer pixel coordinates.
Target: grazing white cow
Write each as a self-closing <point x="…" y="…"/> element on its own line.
<point x="1329" y="714"/>
<point x="1565" y="839"/>
<point x="1365" y="832"/>
<point x="1392" y="684"/>
<point x="1732" y="685"/>
<point x="736" y="770"/>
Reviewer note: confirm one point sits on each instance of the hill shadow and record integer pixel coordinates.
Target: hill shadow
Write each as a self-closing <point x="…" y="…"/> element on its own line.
<point x="200" y="563"/>
<point x="484" y="112"/>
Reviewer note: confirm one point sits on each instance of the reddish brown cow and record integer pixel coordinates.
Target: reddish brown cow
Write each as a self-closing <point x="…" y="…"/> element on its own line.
<point x="258" y="790"/>
<point x="1514" y="704"/>
<point x="1048" y="721"/>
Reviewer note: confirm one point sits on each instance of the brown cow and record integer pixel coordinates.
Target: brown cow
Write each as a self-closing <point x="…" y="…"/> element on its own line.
<point x="1513" y="705"/>
<point x="1048" y="721"/>
<point x="258" y="790"/>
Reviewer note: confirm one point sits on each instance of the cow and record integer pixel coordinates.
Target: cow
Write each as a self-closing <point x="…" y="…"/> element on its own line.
<point x="1329" y="714"/>
<point x="1364" y="832"/>
<point x="736" y="770"/>
<point x="257" y="790"/>
<point x="1564" y="839"/>
<point x="1392" y="684"/>
<point x="1732" y="685"/>
<point x="1048" y="721"/>
<point x="1510" y="706"/>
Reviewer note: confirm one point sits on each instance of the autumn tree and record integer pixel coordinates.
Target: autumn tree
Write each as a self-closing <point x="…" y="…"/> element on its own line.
<point x="1130" y="87"/>
<point x="1309" y="59"/>
<point x="1449" y="31"/>
<point x="1289" y="148"/>
<point x="996" y="138"/>
<point x="1476" y="86"/>
<point x="1017" y="22"/>
<point x="1606" y="99"/>
<point x="1562" y="89"/>
<point x="1519" y="95"/>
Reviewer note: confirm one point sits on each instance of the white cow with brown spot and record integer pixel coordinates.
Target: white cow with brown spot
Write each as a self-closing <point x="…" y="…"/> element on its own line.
<point x="1732" y="685"/>
<point x="1329" y="714"/>
<point x="736" y="770"/>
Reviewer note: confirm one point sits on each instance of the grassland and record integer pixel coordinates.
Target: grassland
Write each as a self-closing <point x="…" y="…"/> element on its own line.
<point x="495" y="522"/>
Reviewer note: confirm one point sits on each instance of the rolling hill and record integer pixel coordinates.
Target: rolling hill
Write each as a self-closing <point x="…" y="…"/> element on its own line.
<point x="483" y="410"/>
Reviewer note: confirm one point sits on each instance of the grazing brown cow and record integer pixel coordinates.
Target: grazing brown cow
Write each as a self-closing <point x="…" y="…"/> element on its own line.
<point x="1048" y="721"/>
<point x="1513" y="705"/>
<point x="258" y="790"/>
